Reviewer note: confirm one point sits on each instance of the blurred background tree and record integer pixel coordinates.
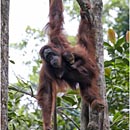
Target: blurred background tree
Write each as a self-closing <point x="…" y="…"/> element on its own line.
<point x="23" y="111"/>
<point x="116" y="16"/>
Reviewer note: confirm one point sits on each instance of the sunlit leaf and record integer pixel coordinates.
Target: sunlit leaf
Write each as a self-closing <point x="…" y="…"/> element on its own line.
<point x="112" y="35"/>
<point x="107" y="44"/>
<point x="108" y="63"/>
<point x="107" y="71"/>
<point x="119" y="42"/>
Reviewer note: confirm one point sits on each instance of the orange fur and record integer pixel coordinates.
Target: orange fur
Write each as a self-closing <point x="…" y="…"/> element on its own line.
<point x="78" y="64"/>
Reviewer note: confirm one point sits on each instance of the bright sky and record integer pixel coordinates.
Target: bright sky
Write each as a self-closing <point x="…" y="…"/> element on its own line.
<point x="33" y="13"/>
<point x="24" y="13"/>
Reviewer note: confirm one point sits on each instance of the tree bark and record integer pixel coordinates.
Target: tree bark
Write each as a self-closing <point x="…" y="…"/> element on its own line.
<point x="89" y="119"/>
<point x="4" y="20"/>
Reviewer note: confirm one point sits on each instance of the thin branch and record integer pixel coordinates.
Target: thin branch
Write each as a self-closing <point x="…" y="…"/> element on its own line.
<point x="61" y="112"/>
<point x="21" y="91"/>
<point x="32" y="94"/>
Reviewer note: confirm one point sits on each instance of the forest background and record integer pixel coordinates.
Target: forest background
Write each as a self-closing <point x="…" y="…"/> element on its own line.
<point x="27" y="19"/>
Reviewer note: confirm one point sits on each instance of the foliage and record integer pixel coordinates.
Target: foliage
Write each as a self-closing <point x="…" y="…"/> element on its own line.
<point x="23" y="112"/>
<point x="117" y="81"/>
<point x="68" y="107"/>
<point x="116" y="15"/>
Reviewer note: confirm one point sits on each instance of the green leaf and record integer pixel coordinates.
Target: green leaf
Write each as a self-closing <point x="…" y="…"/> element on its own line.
<point x="107" y="44"/>
<point x="118" y="88"/>
<point x="58" y="101"/>
<point x="69" y="99"/>
<point x="119" y="49"/>
<point x="126" y="46"/>
<point x="14" y="127"/>
<point x="111" y="50"/>
<point x="116" y="116"/>
<point x="108" y="63"/>
<point x="120" y="42"/>
<point x="126" y="61"/>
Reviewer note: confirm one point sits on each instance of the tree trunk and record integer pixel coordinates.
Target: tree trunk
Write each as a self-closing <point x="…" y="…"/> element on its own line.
<point x="89" y="119"/>
<point x="4" y="62"/>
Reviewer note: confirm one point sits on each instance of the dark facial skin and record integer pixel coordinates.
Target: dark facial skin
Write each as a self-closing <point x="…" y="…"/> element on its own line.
<point x="52" y="58"/>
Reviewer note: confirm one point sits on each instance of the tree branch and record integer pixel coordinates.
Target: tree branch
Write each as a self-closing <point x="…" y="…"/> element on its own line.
<point x="61" y="112"/>
<point x="21" y="91"/>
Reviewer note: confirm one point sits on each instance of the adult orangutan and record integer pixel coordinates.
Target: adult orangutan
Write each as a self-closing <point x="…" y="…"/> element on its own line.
<point x="63" y="64"/>
<point x="51" y="70"/>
